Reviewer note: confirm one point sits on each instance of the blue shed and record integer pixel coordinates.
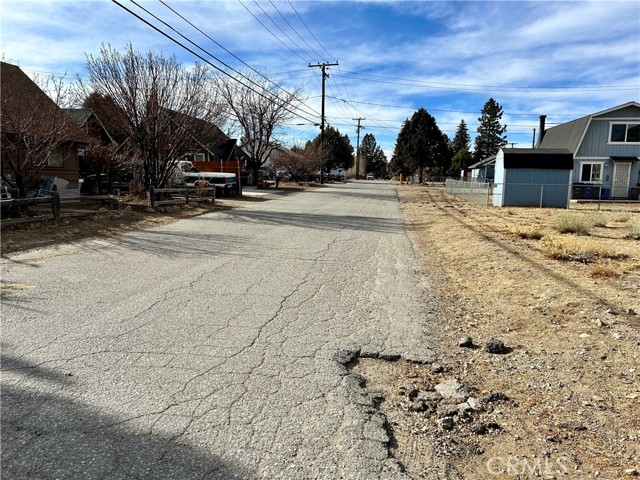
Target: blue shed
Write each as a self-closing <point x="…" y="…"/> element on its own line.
<point x="533" y="177"/>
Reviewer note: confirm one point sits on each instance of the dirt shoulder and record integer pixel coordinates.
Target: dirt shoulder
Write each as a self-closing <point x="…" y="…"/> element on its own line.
<point x="563" y="399"/>
<point x="103" y="221"/>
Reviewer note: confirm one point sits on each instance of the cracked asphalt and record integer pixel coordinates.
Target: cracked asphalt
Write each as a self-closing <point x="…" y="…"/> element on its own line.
<point x="212" y="347"/>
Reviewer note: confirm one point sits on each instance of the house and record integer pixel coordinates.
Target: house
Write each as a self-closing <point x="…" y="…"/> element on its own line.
<point x="532" y="177"/>
<point x="606" y="151"/>
<point x="38" y="137"/>
<point x="482" y="171"/>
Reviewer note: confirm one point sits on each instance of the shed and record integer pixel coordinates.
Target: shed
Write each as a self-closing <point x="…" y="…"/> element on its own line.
<point x="533" y="177"/>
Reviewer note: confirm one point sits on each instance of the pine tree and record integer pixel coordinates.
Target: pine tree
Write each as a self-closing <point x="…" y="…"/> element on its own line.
<point x="491" y="134"/>
<point x="462" y="139"/>
<point x="421" y="146"/>
<point x="375" y="159"/>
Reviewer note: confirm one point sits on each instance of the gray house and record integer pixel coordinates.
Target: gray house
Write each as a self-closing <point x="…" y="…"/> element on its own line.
<point x="606" y="151"/>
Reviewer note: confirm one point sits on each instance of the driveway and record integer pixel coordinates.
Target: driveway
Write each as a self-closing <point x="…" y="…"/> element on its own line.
<point x="213" y="347"/>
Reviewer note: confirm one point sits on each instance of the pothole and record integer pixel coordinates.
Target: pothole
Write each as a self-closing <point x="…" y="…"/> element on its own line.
<point x="434" y="421"/>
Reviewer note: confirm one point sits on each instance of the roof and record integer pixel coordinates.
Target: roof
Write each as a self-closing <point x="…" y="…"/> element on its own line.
<point x="566" y="135"/>
<point x="539" y="158"/>
<point x="21" y="97"/>
<point x="79" y="115"/>
<point x="485" y="161"/>
<point x="569" y="135"/>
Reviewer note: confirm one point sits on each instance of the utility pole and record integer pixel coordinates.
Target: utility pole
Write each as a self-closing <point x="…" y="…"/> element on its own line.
<point x="358" y="146"/>
<point x="325" y="75"/>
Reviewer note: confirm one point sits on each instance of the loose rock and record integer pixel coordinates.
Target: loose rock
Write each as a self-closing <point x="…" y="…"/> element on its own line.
<point x="452" y="389"/>
<point x="495" y="345"/>
<point x="465" y="342"/>
<point x="446" y="423"/>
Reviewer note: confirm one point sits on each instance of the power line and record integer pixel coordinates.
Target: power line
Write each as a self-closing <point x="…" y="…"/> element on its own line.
<point x="310" y="32"/>
<point x="294" y="30"/>
<point x="413" y="107"/>
<point x="269" y="30"/>
<point x="472" y="87"/>
<point x="198" y="55"/>
<point x="230" y="53"/>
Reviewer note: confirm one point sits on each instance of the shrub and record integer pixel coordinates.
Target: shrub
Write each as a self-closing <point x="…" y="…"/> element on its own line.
<point x="634" y="231"/>
<point x="569" y="222"/>
<point x="603" y="271"/>
<point x="621" y="217"/>
<point x="577" y="250"/>
<point x="569" y="250"/>
<point x="528" y="232"/>
<point x="597" y="220"/>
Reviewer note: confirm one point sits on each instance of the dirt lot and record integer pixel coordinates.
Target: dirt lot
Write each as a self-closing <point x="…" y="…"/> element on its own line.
<point x="563" y="398"/>
<point x="561" y="401"/>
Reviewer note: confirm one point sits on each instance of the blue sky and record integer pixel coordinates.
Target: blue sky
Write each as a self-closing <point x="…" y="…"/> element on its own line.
<point x="562" y="59"/>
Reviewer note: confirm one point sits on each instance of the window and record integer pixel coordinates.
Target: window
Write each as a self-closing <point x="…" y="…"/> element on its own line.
<point x="198" y="157"/>
<point x="625" y="133"/>
<point x="56" y="159"/>
<point x="591" y="172"/>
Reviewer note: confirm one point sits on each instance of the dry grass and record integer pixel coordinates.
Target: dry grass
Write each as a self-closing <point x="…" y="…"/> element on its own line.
<point x="604" y="271"/>
<point x="527" y="232"/>
<point x="570" y="222"/>
<point x="570" y="323"/>
<point x="634" y="231"/>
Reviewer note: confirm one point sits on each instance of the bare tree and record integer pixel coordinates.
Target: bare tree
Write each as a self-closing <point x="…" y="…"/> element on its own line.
<point x="36" y="132"/>
<point x="300" y="163"/>
<point x="260" y="107"/>
<point x="165" y="109"/>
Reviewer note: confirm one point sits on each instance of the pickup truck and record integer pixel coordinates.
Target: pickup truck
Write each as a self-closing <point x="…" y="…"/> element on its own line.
<point x="187" y="174"/>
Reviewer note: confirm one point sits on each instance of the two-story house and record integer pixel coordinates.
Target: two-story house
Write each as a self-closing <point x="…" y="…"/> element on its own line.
<point x="38" y="137"/>
<point x="606" y="151"/>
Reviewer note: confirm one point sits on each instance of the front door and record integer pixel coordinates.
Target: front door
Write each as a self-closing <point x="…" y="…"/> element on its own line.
<point x="620" y="186"/>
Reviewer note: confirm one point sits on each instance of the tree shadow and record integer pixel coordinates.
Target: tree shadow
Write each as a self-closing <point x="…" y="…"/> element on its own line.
<point x="47" y="435"/>
<point x="313" y="221"/>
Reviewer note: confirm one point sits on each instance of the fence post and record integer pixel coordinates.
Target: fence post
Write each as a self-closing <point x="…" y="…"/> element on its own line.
<point x="55" y="205"/>
<point x="186" y="196"/>
<point x="152" y="197"/>
<point x="541" y="194"/>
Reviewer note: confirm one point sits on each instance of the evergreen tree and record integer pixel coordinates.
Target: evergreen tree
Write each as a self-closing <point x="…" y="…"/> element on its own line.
<point x="460" y="149"/>
<point x="491" y="134"/>
<point x="337" y="148"/>
<point x="375" y="159"/>
<point x="421" y="146"/>
<point x="462" y="139"/>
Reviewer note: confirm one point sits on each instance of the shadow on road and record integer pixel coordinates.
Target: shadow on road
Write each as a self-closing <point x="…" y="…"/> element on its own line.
<point x="314" y="221"/>
<point x="47" y="435"/>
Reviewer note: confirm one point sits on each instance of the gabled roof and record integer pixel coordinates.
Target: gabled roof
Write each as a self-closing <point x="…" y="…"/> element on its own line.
<point x="485" y="161"/>
<point x="569" y="135"/>
<point x="22" y="98"/>
<point x="79" y="115"/>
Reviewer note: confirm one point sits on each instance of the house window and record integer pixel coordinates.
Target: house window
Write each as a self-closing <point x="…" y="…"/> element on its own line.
<point x="198" y="157"/>
<point x="591" y="172"/>
<point x="56" y="159"/>
<point x="625" y="133"/>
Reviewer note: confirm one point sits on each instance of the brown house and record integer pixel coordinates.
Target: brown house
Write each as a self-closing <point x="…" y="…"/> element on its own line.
<point x="38" y="137"/>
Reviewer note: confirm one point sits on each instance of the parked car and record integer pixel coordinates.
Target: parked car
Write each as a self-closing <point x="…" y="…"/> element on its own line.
<point x="370" y="176"/>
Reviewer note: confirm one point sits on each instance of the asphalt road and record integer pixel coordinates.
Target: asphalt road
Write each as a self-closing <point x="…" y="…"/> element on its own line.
<point x="212" y="347"/>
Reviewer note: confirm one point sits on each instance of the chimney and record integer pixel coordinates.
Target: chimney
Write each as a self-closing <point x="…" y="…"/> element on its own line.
<point x="541" y="129"/>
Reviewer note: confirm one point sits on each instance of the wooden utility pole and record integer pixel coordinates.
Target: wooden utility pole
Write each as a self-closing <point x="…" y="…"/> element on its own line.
<point x="325" y="75"/>
<point x="358" y="128"/>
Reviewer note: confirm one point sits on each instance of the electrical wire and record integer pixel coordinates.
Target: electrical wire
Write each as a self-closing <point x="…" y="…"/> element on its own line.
<point x="198" y="55"/>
